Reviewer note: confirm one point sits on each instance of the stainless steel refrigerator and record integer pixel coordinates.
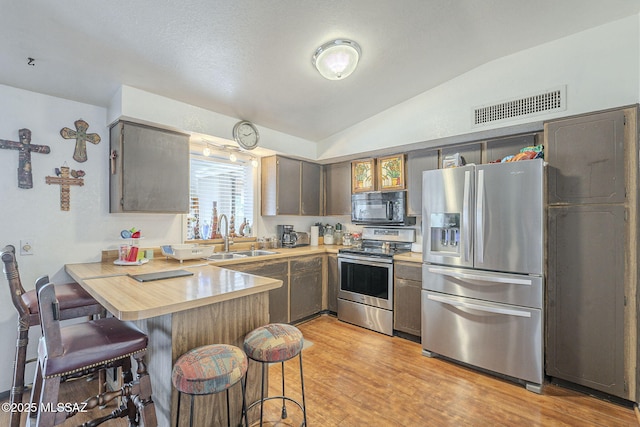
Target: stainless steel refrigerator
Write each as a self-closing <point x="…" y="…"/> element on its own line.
<point x="483" y="270"/>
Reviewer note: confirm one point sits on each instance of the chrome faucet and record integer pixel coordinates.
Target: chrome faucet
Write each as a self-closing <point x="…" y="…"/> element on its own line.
<point x="226" y="231"/>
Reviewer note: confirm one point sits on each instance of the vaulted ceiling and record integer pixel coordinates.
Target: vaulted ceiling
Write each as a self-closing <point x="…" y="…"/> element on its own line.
<point x="251" y="59"/>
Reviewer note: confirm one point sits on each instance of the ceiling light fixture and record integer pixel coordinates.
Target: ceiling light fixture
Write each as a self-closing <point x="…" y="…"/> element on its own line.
<point x="234" y="154"/>
<point x="337" y="59"/>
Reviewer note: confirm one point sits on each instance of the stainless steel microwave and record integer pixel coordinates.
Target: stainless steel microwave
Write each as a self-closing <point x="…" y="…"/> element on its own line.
<point x="380" y="208"/>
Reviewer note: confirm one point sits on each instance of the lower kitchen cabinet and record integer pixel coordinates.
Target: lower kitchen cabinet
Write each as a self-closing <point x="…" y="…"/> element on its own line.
<point x="333" y="283"/>
<point x="278" y="298"/>
<point x="306" y="287"/>
<point x="586" y="297"/>
<point x="300" y="295"/>
<point x="407" y="282"/>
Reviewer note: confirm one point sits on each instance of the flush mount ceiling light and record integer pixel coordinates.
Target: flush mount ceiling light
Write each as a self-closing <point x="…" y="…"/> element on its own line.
<point x="337" y="59"/>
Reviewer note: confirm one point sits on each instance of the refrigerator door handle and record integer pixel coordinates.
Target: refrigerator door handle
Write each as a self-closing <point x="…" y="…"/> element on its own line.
<point x="465" y="215"/>
<point x="480" y="219"/>
<point x="462" y="304"/>
<point x="482" y="278"/>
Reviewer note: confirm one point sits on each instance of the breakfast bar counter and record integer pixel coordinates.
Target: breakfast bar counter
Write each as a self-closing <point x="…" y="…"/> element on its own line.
<point x="214" y="305"/>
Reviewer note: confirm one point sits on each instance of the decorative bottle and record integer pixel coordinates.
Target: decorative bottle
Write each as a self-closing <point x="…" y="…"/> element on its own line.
<point x="195" y="211"/>
<point x="214" y="222"/>
<point x="242" y="226"/>
<point x="232" y="226"/>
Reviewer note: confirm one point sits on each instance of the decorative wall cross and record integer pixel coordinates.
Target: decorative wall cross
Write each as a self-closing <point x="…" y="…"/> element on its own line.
<point x="65" y="181"/>
<point x="81" y="136"/>
<point x="25" y="148"/>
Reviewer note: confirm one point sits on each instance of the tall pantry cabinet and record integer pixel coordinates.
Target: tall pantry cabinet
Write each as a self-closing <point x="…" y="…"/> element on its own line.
<point x="592" y="250"/>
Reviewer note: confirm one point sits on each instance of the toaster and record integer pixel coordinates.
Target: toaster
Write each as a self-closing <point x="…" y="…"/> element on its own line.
<point x="297" y="238"/>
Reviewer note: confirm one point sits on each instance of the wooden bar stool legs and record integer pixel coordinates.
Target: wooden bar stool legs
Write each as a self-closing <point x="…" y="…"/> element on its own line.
<point x="73" y="302"/>
<point x="79" y="349"/>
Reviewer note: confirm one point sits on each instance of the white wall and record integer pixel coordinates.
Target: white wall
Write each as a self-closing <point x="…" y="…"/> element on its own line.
<point x="600" y="68"/>
<point x="78" y="235"/>
<point x="142" y="106"/>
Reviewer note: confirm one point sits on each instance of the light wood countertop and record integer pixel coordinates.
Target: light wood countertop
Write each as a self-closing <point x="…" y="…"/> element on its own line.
<point x="128" y="299"/>
<point x="91" y="270"/>
<point x="409" y="257"/>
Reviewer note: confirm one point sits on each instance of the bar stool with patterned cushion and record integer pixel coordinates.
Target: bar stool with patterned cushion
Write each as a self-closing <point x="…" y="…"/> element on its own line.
<point x="81" y="348"/>
<point x="210" y="369"/>
<point x="73" y="302"/>
<point x="273" y="343"/>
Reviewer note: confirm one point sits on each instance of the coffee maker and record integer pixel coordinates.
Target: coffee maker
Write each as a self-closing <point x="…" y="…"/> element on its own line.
<point x="284" y="233"/>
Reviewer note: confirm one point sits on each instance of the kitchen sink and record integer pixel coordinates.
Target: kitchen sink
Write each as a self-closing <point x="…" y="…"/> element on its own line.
<point x="238" y="254"/>
<point x="224" y="255"/>
<point x="254" y="252"/>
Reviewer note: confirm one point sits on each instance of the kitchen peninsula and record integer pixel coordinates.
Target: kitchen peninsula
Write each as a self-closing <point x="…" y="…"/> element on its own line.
<point x="214" y="305"/>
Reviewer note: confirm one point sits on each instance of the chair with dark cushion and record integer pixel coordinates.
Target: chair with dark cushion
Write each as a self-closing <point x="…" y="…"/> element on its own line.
<point x="79" y="349"/>
<point x="73" y="300"/>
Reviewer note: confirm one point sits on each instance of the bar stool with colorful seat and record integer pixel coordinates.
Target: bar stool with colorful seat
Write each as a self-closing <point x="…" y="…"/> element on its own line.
<point x="74" y="302"/>
<point x="210" y="369"/>
<point x="273" y="343"/>
<point x="81" y="348"/>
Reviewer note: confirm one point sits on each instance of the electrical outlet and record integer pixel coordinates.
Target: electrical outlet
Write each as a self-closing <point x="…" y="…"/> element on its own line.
<point x="26" y="246"/>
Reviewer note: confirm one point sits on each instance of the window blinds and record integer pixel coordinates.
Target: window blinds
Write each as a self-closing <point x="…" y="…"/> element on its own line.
<point x="228" y="185"/>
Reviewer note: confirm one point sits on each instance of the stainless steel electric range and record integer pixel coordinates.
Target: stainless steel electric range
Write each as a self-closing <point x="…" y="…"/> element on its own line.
<point x="365" y="296"/>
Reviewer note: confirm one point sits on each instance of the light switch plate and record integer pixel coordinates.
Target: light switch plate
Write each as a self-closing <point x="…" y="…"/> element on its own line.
<point x="26" y="246"/>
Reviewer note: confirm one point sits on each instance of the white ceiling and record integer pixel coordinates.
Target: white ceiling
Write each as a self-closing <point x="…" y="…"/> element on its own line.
<point x="251" y="59"/>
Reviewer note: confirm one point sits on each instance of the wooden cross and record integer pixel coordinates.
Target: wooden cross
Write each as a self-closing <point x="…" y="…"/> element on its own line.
<point x="25" y="148"/>
<point x="81" y="136"/>
<point x="65" y="181"/>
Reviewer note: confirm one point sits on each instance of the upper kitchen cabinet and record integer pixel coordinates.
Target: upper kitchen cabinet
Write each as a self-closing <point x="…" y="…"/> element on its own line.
<point x="379" y="174"/>
<point x="149" y="169"/>
<point x="290" y="187"/>
<point x="338" y="189"/>
<point x="472" y="153"/>
<point x="310" y="188"/>
<point x="591" y="168"/>
<point x="499" y="148"/>
<point x="417" y="162"/>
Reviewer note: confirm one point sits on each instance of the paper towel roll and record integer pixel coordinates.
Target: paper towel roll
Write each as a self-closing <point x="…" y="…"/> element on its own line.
<point x="314" y="235"/>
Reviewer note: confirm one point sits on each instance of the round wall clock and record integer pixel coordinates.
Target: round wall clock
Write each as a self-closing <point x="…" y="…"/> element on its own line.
<point x="246" y="135"/>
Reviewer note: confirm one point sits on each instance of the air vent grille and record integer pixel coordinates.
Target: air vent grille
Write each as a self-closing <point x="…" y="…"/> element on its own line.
<point x="552" y="100"/>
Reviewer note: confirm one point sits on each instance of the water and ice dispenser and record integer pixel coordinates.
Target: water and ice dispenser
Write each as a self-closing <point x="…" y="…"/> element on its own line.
<point x="445" y="232"/>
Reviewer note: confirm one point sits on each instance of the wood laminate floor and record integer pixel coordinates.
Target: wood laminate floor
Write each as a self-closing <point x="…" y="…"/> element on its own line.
<point x="355" y="377"/>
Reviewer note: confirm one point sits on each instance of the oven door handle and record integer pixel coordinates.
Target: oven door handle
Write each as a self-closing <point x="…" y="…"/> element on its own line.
<point x="472" y="306"/>
<point x="364" y="260"/>
<point x="482" y="278"/>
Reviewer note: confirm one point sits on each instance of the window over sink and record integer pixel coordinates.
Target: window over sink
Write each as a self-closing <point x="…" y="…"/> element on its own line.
<point x="218" y="183"/>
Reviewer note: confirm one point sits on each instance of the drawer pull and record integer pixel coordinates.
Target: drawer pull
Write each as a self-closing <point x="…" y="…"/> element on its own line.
<point x="496" y="310"/>
<point x="482" y="278"/>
